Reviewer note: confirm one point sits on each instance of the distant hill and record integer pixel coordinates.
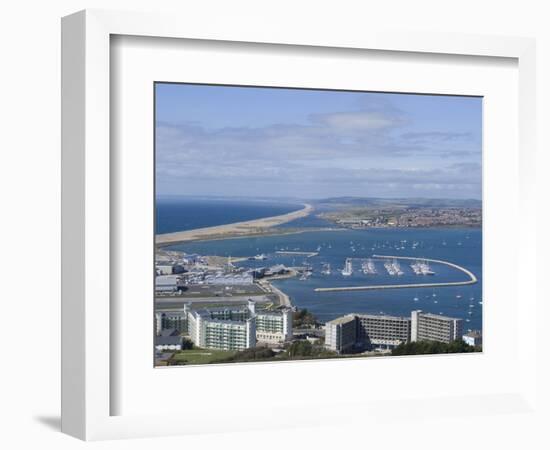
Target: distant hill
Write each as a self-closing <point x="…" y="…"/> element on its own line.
<point x="409" y="202"/>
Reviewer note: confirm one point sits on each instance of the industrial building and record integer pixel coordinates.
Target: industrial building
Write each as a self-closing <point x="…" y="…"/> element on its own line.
<point x="434" y="327"/>
<point x="229" y="279"/>
<point x="168" y="283"/>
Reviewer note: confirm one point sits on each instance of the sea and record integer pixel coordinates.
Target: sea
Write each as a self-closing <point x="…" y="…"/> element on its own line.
<point x="462" y="246"/>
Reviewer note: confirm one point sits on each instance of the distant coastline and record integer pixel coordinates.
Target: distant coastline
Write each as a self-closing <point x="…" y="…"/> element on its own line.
<point x="257" y="227"/>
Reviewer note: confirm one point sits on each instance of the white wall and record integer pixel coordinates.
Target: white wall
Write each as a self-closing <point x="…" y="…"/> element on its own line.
<point x="29" y="183"/>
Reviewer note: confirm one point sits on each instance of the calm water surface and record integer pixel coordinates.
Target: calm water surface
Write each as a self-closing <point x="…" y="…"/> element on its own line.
<point x="460" y="246"/>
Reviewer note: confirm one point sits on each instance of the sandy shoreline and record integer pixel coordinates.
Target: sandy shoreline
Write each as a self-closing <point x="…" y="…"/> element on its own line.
<point x="231" y="230"/>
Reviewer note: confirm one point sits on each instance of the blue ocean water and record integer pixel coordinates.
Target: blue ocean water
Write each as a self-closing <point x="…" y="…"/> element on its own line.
<point x="462" y="246"/>
<point x="179" y="214"/>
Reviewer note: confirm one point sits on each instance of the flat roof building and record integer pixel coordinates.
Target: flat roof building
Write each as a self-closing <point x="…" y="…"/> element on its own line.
<point x="274" y="327"/>
<point x="473" y="338"/>
<point x="207" y="331"/>
<point x="168" y="283"/>
<point x="172" y="319"/>
<point x="434" y="327"/>
<point x="365" y="331"/>
<point x="341" y="334"/>
<point x="229" y="327"/>
<point x="383" y="331"/>
<point x="163" y="343"/>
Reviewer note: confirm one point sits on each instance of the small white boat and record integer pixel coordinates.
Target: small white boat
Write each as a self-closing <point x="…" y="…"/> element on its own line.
<point x="348" y="268"/>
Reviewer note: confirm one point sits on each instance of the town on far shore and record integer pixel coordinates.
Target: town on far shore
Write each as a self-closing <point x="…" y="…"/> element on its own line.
<point x="383" y="213"/>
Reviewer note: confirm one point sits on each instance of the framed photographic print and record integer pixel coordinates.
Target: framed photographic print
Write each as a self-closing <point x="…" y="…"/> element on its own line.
<point x="318" y="221"/>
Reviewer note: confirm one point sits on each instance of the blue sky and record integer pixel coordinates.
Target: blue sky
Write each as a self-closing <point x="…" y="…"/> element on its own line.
<point x="242" y="141"/>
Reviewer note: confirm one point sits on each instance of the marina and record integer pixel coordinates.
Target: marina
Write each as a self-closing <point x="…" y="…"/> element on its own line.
<point x="369" y="268"/>
<point x="330" y="250"/>
<point x="394" y="268"/>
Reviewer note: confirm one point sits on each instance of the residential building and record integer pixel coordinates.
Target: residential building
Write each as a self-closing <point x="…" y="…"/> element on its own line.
<point x="366" y="331"/>
<point x="207" y="331"/>
<point x="231" y="327"/>
<point x="382" y="331"/>
<point x="168" y="340"/>
<point x="434" y="327"/>
<point x="473" y="338"/>
<point x="176" y="319"/>
<point x="341" y="334"/>
<point x="274" y="327"/>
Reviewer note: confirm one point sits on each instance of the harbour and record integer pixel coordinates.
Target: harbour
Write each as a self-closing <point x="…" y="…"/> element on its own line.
<point x="328" y="293"/>
<point x="395" y="269"/>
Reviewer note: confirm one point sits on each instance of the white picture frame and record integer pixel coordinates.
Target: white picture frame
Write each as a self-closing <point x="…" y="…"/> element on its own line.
<point x="87" y="383"/>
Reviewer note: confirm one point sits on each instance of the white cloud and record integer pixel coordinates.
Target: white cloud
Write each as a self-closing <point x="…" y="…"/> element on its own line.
<point x="345" y="153"/>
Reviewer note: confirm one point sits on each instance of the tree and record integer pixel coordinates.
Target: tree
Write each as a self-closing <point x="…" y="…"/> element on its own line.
<point x="433" y="347"/>
<point x="251" y="354"/>
<point x="304" y="318"/>
<point x="299" y="349"/>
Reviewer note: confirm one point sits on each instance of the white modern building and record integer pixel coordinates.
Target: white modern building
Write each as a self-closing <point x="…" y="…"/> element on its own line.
<point x="208" y="332"/>
<point x="238" y="328"/>
<point x="274" y="327"/>
<point x="434" y="327"/>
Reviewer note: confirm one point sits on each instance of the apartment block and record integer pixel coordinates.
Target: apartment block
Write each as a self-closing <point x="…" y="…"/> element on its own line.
<point x="434" y="327"/>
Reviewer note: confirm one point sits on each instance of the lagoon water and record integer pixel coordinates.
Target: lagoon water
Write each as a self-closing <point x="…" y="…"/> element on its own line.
<point x="462" y="246"/>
